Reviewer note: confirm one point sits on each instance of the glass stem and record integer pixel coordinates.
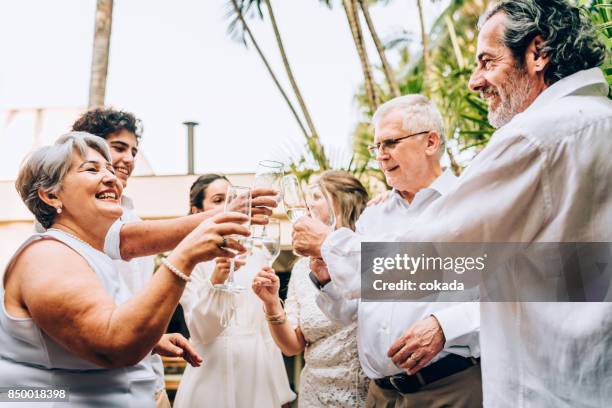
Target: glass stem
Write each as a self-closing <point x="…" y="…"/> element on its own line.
<point x="230" y="277"/>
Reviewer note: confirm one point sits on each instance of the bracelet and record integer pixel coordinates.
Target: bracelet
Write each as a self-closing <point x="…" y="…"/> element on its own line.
<point x="277" y="318"/>
<point x="175" y="270"/>
<point x="281" y="320"/>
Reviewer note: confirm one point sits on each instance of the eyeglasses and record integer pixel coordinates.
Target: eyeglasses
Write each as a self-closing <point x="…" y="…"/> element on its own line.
<point x="390" y="144"/>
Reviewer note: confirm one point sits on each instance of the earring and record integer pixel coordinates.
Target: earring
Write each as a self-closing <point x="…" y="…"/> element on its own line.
<point x="59" y="210"/>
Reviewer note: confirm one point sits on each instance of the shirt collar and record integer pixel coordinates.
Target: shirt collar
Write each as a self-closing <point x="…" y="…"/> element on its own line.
<point x="440" y="186"/>
<point x="588" y="81"/>
<point x="126" y="202"/>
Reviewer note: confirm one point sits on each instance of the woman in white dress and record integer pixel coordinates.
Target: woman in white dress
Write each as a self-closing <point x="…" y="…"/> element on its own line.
<point x="68" y="320"/>
<point x="332" y="375"/>
<point x="242" y="365"/>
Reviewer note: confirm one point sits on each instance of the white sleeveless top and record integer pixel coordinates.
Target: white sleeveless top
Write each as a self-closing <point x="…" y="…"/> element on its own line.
<point x="30" y="358"/>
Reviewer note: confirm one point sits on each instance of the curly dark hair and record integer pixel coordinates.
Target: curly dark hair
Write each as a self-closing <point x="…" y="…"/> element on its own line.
<point x="104" y="122"/>
<point x="570" y="40"/>
<point x="197" y="192"/>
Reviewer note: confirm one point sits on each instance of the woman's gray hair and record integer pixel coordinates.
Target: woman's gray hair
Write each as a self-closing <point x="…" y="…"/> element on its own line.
<point x="45" y="168"/>
<point x="570" y="40"/>
<point x="419" y="113"/>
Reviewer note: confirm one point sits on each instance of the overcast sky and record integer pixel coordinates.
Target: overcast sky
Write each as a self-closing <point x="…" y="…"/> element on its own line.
<point x="173" y="61"/>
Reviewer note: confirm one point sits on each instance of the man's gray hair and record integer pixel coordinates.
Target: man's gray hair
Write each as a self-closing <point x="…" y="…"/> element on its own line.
<point x="45" y="169"/>
<point x="570" y="40"/>
<point x="420" y="114"/>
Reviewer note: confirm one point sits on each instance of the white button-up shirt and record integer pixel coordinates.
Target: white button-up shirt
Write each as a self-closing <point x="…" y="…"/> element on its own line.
<point x="546" y="176"/>
<point x="381" y="323"/>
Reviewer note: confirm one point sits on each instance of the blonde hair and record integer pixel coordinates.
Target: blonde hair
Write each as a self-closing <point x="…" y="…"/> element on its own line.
<point x="349" y="196"/>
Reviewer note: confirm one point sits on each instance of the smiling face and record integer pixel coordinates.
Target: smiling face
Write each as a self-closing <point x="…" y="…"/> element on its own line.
<point x="506" y="85"/>
<point x="90" y="193"/>
<point x="411" y="164"/>
<point x="123" y="147"/>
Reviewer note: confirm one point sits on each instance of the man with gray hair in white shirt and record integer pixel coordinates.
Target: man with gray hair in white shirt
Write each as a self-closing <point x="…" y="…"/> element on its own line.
<point x="545" y="176"/>
<point x="442" y="364"/>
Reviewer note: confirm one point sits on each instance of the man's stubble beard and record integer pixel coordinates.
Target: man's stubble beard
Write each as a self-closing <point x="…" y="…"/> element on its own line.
<point x="514" y="96"/>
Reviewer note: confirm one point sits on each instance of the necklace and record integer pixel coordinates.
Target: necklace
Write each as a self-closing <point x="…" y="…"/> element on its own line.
<point x="72" y="236"/>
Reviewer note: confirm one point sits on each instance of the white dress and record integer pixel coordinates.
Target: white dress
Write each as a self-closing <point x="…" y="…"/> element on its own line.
<point x="29" y="357"/>
<point x="242" y="365"/>
<point x="332" y="375"/>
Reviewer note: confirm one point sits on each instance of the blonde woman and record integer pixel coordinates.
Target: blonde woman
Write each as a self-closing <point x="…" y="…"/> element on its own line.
<point x="332" y="375"/>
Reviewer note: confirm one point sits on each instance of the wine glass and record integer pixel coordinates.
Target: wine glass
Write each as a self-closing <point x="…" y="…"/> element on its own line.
<point x="269" y="174"/>
<point x="238" y="199"/>
<point x="269" y="241"/>
<point x="293" y="198"/>
<point x="320" y="204"/>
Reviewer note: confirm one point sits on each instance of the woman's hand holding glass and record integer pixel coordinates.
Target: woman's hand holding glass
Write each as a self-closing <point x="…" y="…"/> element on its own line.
<point x="222" y="269"/>
<point x="263" y="201"/>
<point x="206" y="242"/>
<point x="266" y="285"/>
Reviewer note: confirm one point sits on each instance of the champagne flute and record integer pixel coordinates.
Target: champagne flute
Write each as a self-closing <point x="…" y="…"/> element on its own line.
<point x="320" y="204"/>
<point x="269" y="174"/>
<point x="293" y="198"/>
<point x="269" y="241"/>
<point x="238" y="199"/>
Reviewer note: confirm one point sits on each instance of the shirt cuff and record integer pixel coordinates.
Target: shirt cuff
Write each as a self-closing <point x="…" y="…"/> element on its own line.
<point x="335" y="243"/>
<point x="112" y="241"/>
<point x="459" y="321"/>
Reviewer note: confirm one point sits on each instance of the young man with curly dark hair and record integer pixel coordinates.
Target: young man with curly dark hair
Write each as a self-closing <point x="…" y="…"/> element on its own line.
<point x="122" y="132"/>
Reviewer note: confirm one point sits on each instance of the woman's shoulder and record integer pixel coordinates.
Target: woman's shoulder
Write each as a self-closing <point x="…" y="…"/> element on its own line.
<point x="44" y="249"/>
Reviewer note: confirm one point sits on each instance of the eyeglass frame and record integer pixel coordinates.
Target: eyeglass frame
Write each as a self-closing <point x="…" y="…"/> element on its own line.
<point x="391" y="143"/>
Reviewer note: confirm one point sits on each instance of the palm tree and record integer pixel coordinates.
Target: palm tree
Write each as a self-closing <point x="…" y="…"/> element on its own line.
<point x="101" y="46"/>
<point x="425" y="43"/>
<point x="350" y="8"/>
<point x="389" y="74"/>
<point x="312" y="137"/>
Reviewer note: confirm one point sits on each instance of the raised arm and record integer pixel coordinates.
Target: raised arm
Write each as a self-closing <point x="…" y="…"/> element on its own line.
<point x="285" y="330"/>
<point x="66" y="299"/>
<point x="127" y="241"/>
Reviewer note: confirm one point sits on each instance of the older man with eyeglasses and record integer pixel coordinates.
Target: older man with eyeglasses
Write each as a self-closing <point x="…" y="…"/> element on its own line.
<point x="439" y="362"/>
<point x="543" y="178"/>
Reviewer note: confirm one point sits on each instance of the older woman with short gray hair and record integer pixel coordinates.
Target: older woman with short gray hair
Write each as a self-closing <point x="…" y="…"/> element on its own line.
<point x="68" y="321"/>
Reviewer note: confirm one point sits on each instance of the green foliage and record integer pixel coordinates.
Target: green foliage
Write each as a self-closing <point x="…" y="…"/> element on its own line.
<point x="600" y="12"/>
<point x="453" y="40"/>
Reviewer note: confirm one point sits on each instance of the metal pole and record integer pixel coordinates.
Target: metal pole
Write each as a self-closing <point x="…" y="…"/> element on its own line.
<point x="190" y="146"/>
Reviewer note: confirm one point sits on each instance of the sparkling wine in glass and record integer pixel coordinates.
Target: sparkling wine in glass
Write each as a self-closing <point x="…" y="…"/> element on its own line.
<point x="238" y="199"/>
<point x="293" y="198"/>
<point x="270" y="241"/>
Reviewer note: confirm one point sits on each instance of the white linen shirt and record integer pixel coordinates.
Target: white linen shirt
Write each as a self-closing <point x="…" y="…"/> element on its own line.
<point x="381" y="323"/>
<point x="546" y="176"/>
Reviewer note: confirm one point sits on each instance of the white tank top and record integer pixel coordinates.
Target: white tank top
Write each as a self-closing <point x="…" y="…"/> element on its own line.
<point x="30" y="358"/>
